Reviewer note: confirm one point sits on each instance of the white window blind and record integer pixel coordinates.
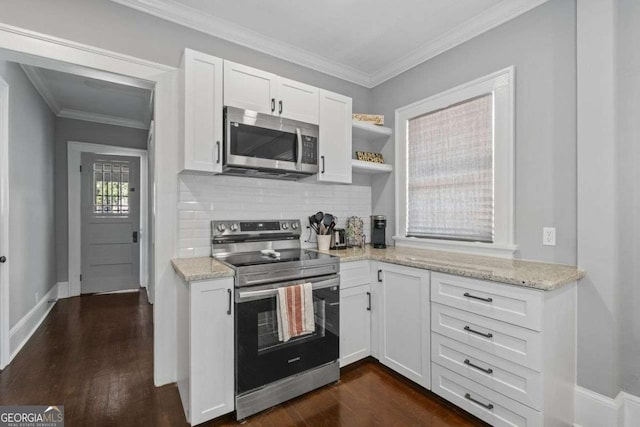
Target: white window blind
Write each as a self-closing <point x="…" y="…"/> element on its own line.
<point x="450" y="179"/>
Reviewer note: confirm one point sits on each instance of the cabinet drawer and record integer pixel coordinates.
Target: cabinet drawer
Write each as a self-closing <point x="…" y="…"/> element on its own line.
<point x="519" y="345"/>
<point x="354" y="274"/>
<point x="513" y="380"/>
<point x="510" y="304"/>
<point x="488" y="405"/>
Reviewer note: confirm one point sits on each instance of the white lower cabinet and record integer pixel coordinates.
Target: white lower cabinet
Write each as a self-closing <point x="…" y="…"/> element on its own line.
<point x="355" y="311"/>
<point x="506" y="354"/>
<point x="486" y="404"/>
<point x="404" y="332"/>
<point x="355" y="324"/>
<point x="206" y="348"/>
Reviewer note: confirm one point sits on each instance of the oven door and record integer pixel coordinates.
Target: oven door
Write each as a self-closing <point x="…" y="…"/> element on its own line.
<point x="260" y="357"/>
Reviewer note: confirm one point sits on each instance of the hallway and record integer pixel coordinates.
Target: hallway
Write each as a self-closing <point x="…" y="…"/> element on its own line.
<point x="94" y="355"/>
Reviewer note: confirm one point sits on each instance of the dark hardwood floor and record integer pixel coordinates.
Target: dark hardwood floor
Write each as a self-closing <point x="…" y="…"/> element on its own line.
<point x="94" y="355"/>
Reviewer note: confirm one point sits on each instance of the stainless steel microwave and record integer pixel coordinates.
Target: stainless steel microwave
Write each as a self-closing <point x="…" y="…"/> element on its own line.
<point x="262" y="145"/>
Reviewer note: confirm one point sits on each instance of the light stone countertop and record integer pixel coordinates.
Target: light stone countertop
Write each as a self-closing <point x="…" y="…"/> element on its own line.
<point x="528" y="274"/>
<point x="202" y="268"/>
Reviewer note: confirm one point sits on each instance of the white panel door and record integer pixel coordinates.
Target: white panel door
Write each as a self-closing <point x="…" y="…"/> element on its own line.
<point x="249" y="88"/>
<point x="355" y="324"/>
<point x="110" y="200"/>
<point x="335" y="138"/>
<point x="298" y="101"/>
<point x="404" y="321"/>
<point x="202" y="112"/>
<point x="212" y="354"/>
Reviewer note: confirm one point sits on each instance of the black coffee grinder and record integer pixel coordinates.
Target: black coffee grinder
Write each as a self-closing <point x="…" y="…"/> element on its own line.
<point x="378" y="230"/>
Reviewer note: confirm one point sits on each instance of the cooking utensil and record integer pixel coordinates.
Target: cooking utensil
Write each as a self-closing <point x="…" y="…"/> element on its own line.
<point x="328" y="218"/>
<point x="319" y="217"/>
<point x="312" y="223"/>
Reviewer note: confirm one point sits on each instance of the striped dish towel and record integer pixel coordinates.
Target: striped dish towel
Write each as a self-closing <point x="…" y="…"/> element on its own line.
<point x="295" y="311"/>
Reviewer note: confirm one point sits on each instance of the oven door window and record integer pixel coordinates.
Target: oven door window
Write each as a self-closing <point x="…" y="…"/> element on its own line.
<point x="261" y="358"/>
<point x="262" y="143"/>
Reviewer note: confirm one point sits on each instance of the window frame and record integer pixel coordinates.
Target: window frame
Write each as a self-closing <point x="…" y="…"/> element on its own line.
<point x="502" y="85"/>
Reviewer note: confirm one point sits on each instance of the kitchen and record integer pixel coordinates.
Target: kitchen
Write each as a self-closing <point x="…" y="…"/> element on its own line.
<point x="559" y="126"/>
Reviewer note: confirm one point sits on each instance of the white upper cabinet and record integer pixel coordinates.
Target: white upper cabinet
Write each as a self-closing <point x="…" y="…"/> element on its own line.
<point x="257" y="90"/>
<point x="298" y="101"/>
<point x="249" y="88"/>
<point x="335" y="138"/>
<point x="201" y="112"/>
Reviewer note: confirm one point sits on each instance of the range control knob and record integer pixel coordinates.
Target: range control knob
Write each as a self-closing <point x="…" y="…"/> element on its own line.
<point x="294" y="225"/>
<point x="233" y="227"/>
<point x="284" y="225"/>
<point x="221" y="227"/>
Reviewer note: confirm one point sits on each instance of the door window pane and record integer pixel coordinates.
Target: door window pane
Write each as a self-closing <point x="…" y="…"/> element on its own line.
<point x="111" y="188"/>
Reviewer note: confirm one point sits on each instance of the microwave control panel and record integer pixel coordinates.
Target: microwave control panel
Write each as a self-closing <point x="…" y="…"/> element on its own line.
<point x="309" y="150"/>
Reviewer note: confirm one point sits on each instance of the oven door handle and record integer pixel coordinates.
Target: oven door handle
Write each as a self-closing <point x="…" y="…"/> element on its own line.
<point x="271" y="292"/>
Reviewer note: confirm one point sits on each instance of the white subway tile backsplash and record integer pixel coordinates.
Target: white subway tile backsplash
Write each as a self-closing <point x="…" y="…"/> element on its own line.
<point x="203" y="199"/>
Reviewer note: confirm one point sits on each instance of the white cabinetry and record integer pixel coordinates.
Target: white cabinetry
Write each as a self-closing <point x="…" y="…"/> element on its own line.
<point x="335" y="138"/>
<point x="206" y="348"/>
<point x="201" y="112"/>
<point x="404" y="333"/>
<point x="504" y="353"/>
<point x="355" y="312"/>
<point x="256" y="90"/>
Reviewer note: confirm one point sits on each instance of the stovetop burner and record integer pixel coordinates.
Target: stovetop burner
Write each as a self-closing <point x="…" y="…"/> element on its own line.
<point x="286" y="255"/>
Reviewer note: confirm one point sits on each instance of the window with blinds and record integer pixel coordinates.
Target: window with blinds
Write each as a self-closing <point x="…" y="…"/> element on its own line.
<point x="450" y="172"/>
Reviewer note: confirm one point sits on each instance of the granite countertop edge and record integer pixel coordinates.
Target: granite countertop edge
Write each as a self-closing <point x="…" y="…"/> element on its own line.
<point x="530" y="276"/>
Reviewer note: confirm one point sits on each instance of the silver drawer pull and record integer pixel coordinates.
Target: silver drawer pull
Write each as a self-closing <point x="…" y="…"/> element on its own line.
<point x="487" y="335"/>
<point x="487" y="370"/>
<point x="468" y="295"/>
<point x="484" y="405"/>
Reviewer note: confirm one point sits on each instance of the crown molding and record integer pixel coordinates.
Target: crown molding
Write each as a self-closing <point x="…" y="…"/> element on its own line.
<point x="197" y="20"/>
<point x="189" y="17"/>
<point x="102" y="118"/>
<point x="485" y="21"/>
<point x="34" y="75"/>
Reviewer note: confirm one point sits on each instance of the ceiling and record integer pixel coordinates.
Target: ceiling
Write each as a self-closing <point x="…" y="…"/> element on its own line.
<point x="85" y="98"/>
<point x="363" y="41"/>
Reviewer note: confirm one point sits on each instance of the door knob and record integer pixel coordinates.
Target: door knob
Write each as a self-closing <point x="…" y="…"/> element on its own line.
<point x="3" y="259"/>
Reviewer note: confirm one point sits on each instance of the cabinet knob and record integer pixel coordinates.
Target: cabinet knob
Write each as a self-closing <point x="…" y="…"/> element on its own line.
<point x="3" y="259"/>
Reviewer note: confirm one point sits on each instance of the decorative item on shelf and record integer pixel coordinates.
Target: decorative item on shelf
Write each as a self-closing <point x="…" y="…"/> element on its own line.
<point x="370" y="157"/>
<point x="355" y="227"/>
<point x="374" y="119"/>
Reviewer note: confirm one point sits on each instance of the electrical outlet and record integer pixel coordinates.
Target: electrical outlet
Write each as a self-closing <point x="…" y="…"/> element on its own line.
<point x="549" y="236"/>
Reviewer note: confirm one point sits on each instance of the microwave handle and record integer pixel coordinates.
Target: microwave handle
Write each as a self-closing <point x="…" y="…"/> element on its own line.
<point x="299" y="157"/>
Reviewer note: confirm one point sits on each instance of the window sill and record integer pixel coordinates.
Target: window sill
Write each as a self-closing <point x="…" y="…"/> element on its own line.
<point x="474" y="248"/>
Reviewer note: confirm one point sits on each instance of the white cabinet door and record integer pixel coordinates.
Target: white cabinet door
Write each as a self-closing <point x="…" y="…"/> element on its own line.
<point x="404" y="321"/>
<point x="335" y="138"/>
<point x="202" y="112"/>
<point x="298" y="101"/>
<point x="355" y="324"/>
<point x="249" y="88"/>
<point x="212" y="344"/>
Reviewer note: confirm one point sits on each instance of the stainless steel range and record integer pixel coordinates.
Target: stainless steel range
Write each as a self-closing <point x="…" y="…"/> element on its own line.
<point x="266" y="255"/>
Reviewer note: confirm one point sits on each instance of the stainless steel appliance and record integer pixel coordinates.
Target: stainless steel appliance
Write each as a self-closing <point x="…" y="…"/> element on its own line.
<point x="265" y="146"/>
<point x="266" y="255"/>
<point x="378" y="231"/>
<point x="338" y="238"/>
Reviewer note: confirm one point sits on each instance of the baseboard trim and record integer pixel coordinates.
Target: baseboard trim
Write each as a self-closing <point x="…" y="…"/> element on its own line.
<point x="63" y="290"/>
<point x="24" y="329"/>
<point x="595" y="410"/>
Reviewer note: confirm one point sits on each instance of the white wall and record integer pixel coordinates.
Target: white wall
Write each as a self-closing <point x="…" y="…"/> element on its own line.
<point x="628" y="190"/>
<point x="541" y="44"/>
<point x="81" y="131"/>
<point x="31" y="255"/>
<point x="206" y="198"/>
